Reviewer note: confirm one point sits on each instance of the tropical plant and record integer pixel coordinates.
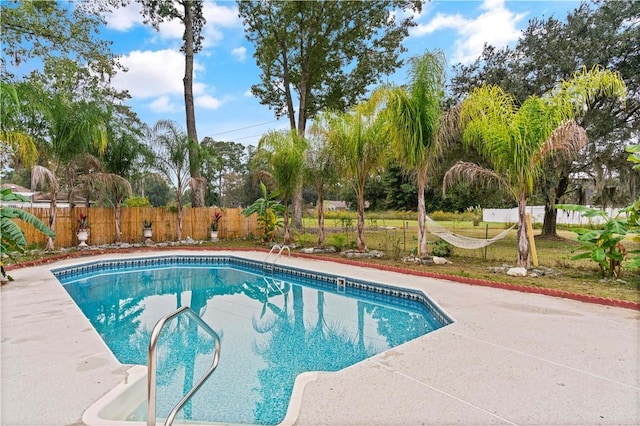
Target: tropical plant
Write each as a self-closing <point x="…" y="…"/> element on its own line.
<point x="413" y="112"/>
<point x="83" y="221"/>
<point x="146" y="224"/>
<point x="170" y="146"/>
<point x="112" y="187"/>
<point x="319" y="171"/>
<point x="605" y="246"/>
<point x="12" y="138"/>
<point x="41" y="175"/>
<point x="215" y="220"/>
<point x="516" y="139"/>
<point x="267" y="209"/>
<point x="634" y="155"/>
<point x="284" y="151"/>
<point x="12" y="238"/>
<point x="357" y="139"/>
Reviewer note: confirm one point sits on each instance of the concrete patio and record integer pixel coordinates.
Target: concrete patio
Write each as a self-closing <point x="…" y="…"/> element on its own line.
<point x="509" y="358"/>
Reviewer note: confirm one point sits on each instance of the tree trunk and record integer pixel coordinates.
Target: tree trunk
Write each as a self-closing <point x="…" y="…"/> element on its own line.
<point x="320" y="218"/>
<point x="118" y="231"/>
<point x="523" y="242"/>
<point x="53" y="208"/>
<point x="179" y="232"/>
<point x="287" y="235"/>
<point x="361" y="245"/>
<point x="549" y="228"/>
<point x="550" y="220"/>
<point x="422" y="232"/>
<point x="198" y="184"/>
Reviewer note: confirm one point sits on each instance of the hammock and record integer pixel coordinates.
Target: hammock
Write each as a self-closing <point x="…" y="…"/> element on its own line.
<point x="460" y="240"/>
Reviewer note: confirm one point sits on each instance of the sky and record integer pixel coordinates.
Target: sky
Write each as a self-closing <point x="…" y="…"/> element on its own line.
<point x="225" y="69"/>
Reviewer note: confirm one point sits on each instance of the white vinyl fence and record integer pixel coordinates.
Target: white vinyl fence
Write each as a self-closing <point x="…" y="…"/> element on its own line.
<point x="537" y="216"/>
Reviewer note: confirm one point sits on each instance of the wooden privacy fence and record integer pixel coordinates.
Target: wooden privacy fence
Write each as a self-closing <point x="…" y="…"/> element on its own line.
<point x="102" y="224"/>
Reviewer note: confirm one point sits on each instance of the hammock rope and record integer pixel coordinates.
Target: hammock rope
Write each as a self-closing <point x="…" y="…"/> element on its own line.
<point x="460" y="240"/>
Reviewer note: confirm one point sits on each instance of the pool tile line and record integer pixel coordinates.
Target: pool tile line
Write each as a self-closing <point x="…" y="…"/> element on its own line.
<point x="188" y="260"/>
<point x="628" y="304"/>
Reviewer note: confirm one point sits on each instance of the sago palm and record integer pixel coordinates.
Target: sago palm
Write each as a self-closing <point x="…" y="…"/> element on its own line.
<point x="515" y="139"/>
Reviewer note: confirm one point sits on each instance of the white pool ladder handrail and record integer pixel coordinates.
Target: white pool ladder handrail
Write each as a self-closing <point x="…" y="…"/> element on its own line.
<point x="151" y="375"/>
<point x="280" y="249"/>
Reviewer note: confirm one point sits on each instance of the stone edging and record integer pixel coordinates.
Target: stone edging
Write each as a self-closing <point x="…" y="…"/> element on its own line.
<point x="471" y="281"/>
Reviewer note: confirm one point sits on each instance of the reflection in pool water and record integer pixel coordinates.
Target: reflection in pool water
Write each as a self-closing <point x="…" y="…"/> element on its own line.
<point x="273" y="327"/>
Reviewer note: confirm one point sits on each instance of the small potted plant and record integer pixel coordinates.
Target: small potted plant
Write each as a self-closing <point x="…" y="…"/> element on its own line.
<point x="83" y="230"/>
<point x="215" y="222"/>
<point x="147" y="231"/>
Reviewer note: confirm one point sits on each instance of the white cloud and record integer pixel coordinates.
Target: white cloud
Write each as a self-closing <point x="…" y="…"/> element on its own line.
<point x="124" y="18"/>
<point x="240" y="53"/>
<point x="217" y="17"/>
<point x="155" y="73"/>
<point x="163" y="104"/>
<point x="496" y="26"/>
<point x="208" y="102"/>
<point x="248" y="93"/>
<point x="440" y="22"/>
<point x="221" y="15"/>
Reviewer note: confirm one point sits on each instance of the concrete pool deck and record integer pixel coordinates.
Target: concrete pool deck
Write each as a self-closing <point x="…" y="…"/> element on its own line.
<point x="509" y="358"/>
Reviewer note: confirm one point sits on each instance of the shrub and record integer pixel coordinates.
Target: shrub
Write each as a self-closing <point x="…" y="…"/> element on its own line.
<point x="442" y="249"/>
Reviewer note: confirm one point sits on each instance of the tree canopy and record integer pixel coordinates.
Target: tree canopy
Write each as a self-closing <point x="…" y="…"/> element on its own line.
<point x="323" y="54"/>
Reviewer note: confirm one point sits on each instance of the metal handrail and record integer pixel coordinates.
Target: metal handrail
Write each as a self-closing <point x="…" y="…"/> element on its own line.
<point x="281" y="249"/>
<point x="151" y="375"/>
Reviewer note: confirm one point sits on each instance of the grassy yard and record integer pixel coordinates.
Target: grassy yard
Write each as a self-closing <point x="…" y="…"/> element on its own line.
<point x="398" y="237"/>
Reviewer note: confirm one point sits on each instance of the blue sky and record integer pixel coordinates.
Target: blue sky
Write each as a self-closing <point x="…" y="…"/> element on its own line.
<point x="225" y="69"/>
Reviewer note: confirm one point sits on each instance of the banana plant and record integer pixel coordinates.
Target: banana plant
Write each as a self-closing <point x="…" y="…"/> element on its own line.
<point x="12" y="238"/>
<point x="605" y="246"/>
<point x="266" y="208"/>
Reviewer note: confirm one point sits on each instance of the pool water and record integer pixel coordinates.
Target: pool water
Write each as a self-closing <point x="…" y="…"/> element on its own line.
<point x="273" y="326"/>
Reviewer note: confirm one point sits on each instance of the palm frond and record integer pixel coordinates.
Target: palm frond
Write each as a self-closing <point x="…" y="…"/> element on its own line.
<point x="474" y="174"/>
<point x="41" y="175"/>
<point x="568" y="139"/>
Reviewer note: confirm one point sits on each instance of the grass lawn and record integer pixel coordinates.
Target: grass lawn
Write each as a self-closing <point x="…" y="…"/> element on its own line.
<point x="398" y="237"/>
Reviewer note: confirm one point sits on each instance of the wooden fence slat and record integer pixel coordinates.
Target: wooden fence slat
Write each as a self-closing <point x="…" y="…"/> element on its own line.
<point x="102" y="224"/>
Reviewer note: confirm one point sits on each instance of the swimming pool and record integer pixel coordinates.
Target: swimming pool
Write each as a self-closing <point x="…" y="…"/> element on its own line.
<point x="274" y="326"/>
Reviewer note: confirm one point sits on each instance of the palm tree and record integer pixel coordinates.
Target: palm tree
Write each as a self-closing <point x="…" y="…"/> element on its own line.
<point x="12" y="139"/>
<point x="413" y="113"/>
<point x="320" y="171"/>
<point x="42" y="176"/>
<point x="284" y="151"/>
<point x="115" y="187"/>
<point x="516" y="140"/>
<point x="170" y="146"/>
<point x="70" y="130"/>
<point x="357" y="138"/>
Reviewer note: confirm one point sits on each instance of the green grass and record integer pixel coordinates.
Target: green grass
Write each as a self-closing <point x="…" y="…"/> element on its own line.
<point x="581" y="276"/>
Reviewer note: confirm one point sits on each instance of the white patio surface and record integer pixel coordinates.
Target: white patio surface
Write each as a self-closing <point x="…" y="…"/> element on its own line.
<point x="509" y="358"/>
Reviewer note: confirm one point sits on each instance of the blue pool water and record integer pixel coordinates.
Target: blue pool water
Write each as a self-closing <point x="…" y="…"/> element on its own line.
<point x="273" y="325"/>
